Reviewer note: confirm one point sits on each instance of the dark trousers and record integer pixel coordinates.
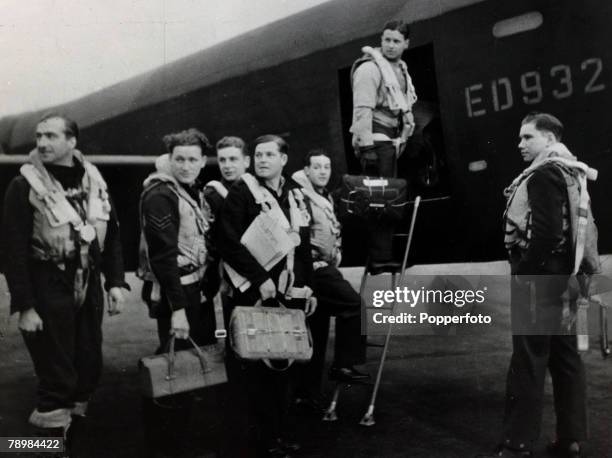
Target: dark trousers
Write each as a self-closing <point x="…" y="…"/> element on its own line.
<point x="536" y="315"/>
<point x="200" y="315"/>
<point x="380" y="239"/>
<point x="378" y="160"/>
<point x="336" y="297"/>
<point x="67" y="353"/>
<point x="233" y="364"/>
<point x="267" y="390"/>
<point x="268" y="397"/>
<point x="167" y="419"/>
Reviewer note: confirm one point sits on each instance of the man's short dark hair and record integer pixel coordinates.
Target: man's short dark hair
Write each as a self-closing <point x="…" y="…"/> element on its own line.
<point x="399" y="25"/>
<point x="314" y="153"/>
<point x="189" y="137"/>
<point x="229" y="141"/>
<point x="283" y="146"/>
<point x="71" y="129"/>
<point x="545" y="122"/>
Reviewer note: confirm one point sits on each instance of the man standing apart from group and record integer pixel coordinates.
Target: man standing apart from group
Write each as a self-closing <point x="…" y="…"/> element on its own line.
<point x="335" y="296"/>
<point x="539" y="237"/>
<point x="61" y="232"/>
<point x="383" y="96"/>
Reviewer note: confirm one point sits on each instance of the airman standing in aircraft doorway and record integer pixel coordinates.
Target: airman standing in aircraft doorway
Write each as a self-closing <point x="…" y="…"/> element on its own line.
<point x="383" y="96"/>
<point x="61" y="233"/>
<point x="540" y="222"/>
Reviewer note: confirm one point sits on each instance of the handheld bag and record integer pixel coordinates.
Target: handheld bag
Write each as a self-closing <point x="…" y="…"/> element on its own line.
<point x="186" y="370"/>
<point x="267" y="333"/>
<point x="370" y="197"/>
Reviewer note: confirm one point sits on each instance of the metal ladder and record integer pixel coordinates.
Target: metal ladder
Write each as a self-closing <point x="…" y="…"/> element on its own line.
<point x="373" y="269"/>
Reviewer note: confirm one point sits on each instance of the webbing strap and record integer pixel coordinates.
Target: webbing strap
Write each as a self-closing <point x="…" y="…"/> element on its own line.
<point x="28" y="171"/>
<point x="219" y="187"/>
<point x="582" y="222"/>
<point x="55" y="202"/>
<point x="262" y="196"/>
<point x="256" y="190"/>
<point x="193" y="277"/>
<point x="64" y="213"/>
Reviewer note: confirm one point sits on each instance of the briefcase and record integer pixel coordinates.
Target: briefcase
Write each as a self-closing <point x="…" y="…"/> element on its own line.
<point x="185" y="370"/>
<point x="371" y="197"/>
<point x="270" y="333"/>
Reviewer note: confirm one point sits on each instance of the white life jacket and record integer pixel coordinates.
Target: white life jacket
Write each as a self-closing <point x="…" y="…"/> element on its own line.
<point x="578" y="218"/>
<point x="392" y="102"/>
<point x="325" y="228"/>
<point x="193" y="225"/>
<point x="299" y="217"/>
<point x="56" y="223"/>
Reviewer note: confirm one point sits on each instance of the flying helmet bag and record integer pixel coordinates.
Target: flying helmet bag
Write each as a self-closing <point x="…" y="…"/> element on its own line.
<point x="179" y="371"/>
<point x="373" y="197"/>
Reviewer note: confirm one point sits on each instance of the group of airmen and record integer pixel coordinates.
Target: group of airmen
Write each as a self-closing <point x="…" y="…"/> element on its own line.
<point x="62" y="229"/>
<point x="61" y="233"/>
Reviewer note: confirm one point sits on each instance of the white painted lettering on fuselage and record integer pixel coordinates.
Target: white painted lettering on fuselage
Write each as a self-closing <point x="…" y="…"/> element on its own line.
<point x="559" y="82"/>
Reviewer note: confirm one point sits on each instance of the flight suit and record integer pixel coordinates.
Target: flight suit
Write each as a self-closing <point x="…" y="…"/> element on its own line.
<point x="379" y="118"/>
<point x="67" y="353"/>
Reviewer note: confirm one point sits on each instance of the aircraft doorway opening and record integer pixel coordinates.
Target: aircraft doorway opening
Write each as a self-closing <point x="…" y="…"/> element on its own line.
<point x="423" y="163"/>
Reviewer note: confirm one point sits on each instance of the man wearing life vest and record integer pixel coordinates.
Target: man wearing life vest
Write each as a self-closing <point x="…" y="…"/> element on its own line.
<point x="233" y="163"/>
<point x="175" y="221"/>
<point x="383" y="96"/>
<point x="335" y="296"/>
<point x="61" y="233"/>
<point x="547" y="205"/>
<point x="289" y="280"/>
<point x="173" y="261"/>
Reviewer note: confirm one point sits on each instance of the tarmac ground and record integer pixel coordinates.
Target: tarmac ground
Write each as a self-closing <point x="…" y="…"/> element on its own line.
<point x="442" y="394"/>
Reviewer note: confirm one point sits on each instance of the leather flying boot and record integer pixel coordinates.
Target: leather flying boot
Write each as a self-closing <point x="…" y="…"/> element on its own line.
<point x="347" y="374"/>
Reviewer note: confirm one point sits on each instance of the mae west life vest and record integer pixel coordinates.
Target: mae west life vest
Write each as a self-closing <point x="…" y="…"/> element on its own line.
<point x="193" y="226"/>
<point x="324" y="228"/>
<point x="274" y="229"/>
<point x="393" y="103"/>
<point x="581" y="223"/>
<point x="59" y="230"/>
